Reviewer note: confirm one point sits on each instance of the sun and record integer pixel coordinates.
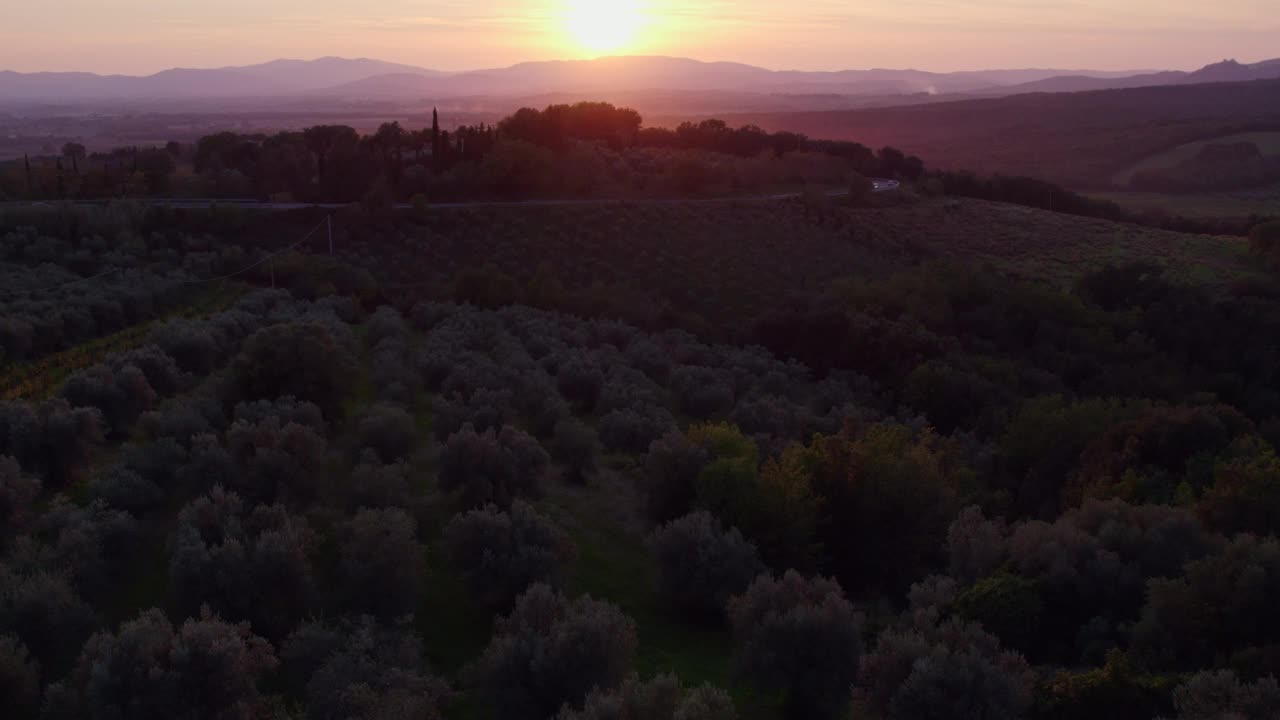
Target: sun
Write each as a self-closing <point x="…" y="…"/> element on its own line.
<point x="603" y="26"/>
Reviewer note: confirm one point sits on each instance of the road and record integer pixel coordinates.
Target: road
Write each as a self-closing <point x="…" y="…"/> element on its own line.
<point x="880" y="185"/>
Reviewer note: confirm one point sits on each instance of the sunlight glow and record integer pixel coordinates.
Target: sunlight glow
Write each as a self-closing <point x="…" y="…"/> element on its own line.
<point x="603" y="26"/>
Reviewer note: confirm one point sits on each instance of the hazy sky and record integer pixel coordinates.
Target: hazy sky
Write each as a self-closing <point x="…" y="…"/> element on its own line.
<point x="140" y="36"/>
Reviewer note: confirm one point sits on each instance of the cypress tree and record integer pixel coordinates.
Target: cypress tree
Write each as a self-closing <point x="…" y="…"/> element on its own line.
<point x="435" y="138"/>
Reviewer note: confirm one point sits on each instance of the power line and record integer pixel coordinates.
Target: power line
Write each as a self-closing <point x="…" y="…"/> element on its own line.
<point x="61" y="285"/>
<point x="262" y="260"/>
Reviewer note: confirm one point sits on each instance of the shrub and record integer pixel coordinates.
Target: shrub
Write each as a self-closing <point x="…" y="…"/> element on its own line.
<point x="975" y="545"/>
<point x="51" y="439"/>
<point x="1116" y="689"/>
<point x="662" y="698"/>
<point x="301" y="360"/>
<point x="182" y="419"/>
<point x="209" y="466"/>
<point x="388" y="430"/>
<point x="700" y="565"/>
<point x="1245" y="495"/>
<point x="245" y="566"/>
<point x="95" y="544"/>
<point x="890" y="489"/>
<point x="580" y="381"/>
<point x="860" y="188"/>
<point x="944" y="671"/>
<point x="386" y="322"/>
<point x="1219" y="608"/>
<point x="633" y="430"/>
<point x="394" y="379"/>
<point x="1092" y="568"/>
<point x="958" y="687"/>
<point x="374" y="484"/>
<point x="287" y="409"/>
<point x="17" y="494"/>
<point x="1008" y="607"/>
<point x="501" y="554"/>
<point x="121" y="395"/>
<point x="483" y="410"/>
<point x="799" y="637"/>
<point x="552" y="651"/>
<point x="19" y="679"/>
<point x="702" y="392"/>
<point x="189" y="343"/>
<point x="160" y="370"/>
<point x="380" y="563"/>
<point x="492" y="467"/>
<point x="124" y="488"/>
<point x="1220" y="694"/>
<point x="576" y="446"/>
<point x="1264" y="241"/>
<point x="149" y="670"/>
<point x="671" y="473"/>
<point x="278" y="462"/>
<point x="364" y="671"/>
<point x="44" y="612"/>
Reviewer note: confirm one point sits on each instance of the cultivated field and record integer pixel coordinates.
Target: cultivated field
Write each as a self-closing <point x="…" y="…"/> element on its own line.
<point x="1267" y="142"/>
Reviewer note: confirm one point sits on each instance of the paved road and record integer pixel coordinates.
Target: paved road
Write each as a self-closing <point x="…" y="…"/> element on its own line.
<point x="880" y="185"/>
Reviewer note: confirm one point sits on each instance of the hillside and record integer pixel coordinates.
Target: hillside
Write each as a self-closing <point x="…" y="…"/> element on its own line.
<point x="1225" y="71"/>
<point x="332" y="77"/>
<point x="1077" y="139"/>
<point x="544" y="462"/>
<point x="720" y="266"/>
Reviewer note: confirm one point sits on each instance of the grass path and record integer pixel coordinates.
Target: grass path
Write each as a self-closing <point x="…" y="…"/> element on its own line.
<point x="38" y="380"/>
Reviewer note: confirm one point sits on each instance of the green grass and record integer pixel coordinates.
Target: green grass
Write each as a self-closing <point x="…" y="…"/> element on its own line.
<point x="1267" y="142"/>
<point x="38" y="380"/>
<point x="1058" y="249"/>
<point x="613" y="563"/>
<point x="1264" y="201"/>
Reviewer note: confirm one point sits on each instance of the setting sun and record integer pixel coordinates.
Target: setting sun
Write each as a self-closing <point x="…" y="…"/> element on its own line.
<point x="602" y="26"/>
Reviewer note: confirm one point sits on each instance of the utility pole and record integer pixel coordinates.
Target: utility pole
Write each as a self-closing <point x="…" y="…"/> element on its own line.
<point x="329" y="223"/>
<point x="273" y="274"/>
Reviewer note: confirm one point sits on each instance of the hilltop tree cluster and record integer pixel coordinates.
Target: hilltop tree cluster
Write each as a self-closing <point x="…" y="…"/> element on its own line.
<point x="562" y="150"/>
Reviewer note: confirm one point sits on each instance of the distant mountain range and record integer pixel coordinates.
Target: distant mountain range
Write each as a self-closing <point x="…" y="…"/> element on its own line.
<point x="1225" y="71"/>
<point x="331" y="78"/>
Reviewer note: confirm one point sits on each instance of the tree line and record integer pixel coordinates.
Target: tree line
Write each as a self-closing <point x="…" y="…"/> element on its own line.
<point x="335" y="163"/>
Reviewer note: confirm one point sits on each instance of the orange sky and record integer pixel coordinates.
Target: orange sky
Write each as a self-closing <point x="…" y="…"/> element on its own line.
<point x="141" y="36"/>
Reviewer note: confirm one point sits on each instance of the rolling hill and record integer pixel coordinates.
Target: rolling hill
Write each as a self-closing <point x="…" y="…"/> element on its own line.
<point x="363" y="78"/>
<point x="278" y="76"/>
<point x="1077" y="139"/>
<point x="1225" y="71"/>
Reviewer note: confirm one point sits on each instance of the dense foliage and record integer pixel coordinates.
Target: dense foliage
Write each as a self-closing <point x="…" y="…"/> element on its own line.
<point x="706" y="461"/>
<point x="588" y="149"/>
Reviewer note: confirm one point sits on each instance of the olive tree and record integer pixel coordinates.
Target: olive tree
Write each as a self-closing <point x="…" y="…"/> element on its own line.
<point x="151" y="670"/>
<point x="799" y="637"/>
<point x="662" y="698"/>
<point x="246" y="565"/>
<point x="19" y="679"/>
<point x="17" y="493"/>
<point x="948" y="670"/>
<point x="380" y="563"/>
<point x="492" y="467"/>
<point x="362" y="670"/>
<point x="701" y="565"/>
<point x="500" y="554"/>
<point x="553" y="651"/>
